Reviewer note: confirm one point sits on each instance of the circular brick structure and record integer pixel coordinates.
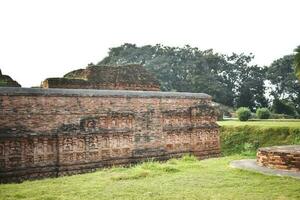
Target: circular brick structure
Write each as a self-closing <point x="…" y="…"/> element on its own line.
<point x="280" y="157"/>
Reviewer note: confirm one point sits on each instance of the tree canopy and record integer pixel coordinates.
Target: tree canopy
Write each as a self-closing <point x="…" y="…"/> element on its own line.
<point x="284" y="84"/>
<point x="230" y="79"/>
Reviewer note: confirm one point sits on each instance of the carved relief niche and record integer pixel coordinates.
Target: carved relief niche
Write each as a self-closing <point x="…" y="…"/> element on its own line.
<point x="39" y="154"/>
<point x="105" y="142"/>
<point x="67" y="145"/>
<point x="80" y="145"/>
<point x="14" y="153"/>
<point x="14" y="148"/>
<point x="2" y="150"/>
<point x="93" y="147"/>
<point x="79" y="148"/>
<point x="111" y="120"/>
<point x="29" y="152"/>
<point x="93" y="143"/>
<point x="176" y="118"/>
<point x="202" y="114"/>
<point x="40" y="151"/>
<point x="121" y="145"/>
<point x="177" y="140"/>
<point x="2" y="153"/>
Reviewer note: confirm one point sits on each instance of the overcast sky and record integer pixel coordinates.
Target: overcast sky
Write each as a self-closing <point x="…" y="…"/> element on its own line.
<point x="40" y="39"/>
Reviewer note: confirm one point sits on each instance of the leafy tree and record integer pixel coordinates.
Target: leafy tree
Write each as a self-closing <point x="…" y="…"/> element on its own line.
<point x="251" y="90"/>
<point x="284" y="84"/>
<point x="284" y="107"/>
<point x="297" y="62"/>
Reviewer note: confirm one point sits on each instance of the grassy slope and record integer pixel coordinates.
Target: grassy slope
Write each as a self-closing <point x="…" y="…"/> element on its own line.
<point x="177" y="179"/>
<point x="245" y="137"/>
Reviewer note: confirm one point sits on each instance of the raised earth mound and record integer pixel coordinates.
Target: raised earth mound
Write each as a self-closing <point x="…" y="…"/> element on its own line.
<point x="121" y="77"/>
<point x="6" y="81"/>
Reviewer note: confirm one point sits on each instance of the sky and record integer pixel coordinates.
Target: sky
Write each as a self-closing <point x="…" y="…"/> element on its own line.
<point x="42" y="39"/>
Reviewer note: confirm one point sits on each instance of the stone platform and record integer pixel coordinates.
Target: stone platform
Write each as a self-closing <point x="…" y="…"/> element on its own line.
<point x="280" y="157"/>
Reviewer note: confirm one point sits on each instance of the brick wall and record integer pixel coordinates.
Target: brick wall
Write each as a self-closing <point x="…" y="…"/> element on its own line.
<point x="53" y="132"/>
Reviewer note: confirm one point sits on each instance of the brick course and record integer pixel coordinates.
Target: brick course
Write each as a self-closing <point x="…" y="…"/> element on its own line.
<point x="54" y="132"/>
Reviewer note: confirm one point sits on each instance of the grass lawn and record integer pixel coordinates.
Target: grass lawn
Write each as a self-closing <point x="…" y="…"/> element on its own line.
<point x="263" y="123"/>
<point x="186" y="178"/>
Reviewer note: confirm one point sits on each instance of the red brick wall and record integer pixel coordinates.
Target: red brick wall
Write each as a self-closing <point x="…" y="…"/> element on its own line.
<point x="46" y="133"/>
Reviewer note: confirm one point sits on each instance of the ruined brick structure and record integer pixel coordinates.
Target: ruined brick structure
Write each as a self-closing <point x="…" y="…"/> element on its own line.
<point x="54" y="132"/>
<point x="7" y="81"/>
<point x="280" y="157"/>
<point x="120" y="77"/>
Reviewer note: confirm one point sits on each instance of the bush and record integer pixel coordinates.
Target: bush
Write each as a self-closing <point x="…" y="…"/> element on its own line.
<point x="263" y="113"/>
<point x="243" y="113"/>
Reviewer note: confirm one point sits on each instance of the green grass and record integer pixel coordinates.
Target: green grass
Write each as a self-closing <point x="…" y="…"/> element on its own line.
<point x="263" y="123"/>
<point x="186" y="178"/>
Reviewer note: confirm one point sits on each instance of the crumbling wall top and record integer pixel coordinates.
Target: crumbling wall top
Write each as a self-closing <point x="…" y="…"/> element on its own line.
<point x="117" y="77"/>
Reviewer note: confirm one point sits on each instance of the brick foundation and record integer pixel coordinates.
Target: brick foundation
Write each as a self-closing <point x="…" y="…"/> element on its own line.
<point x="280" y="157"/>
<point x="54" y="132"/>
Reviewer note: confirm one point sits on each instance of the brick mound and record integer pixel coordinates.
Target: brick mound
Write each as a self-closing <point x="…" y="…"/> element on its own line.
<point x="118" y="77"/>
<point x="7" y="81"/>
<point x="280" y="157"/>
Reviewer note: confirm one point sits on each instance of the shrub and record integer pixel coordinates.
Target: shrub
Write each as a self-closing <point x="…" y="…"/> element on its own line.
<point x="243" y="113"/>
<point x="263" y="113"/>
<point x="281" y="116"/>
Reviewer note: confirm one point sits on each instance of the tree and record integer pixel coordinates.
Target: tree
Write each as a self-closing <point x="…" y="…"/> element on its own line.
<point x="188" y="69"/>
<point x="297" y="62"/>
<point x="284" y="107"/>
<point x="250" y="84"/>
<point x="284" y="84"/>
